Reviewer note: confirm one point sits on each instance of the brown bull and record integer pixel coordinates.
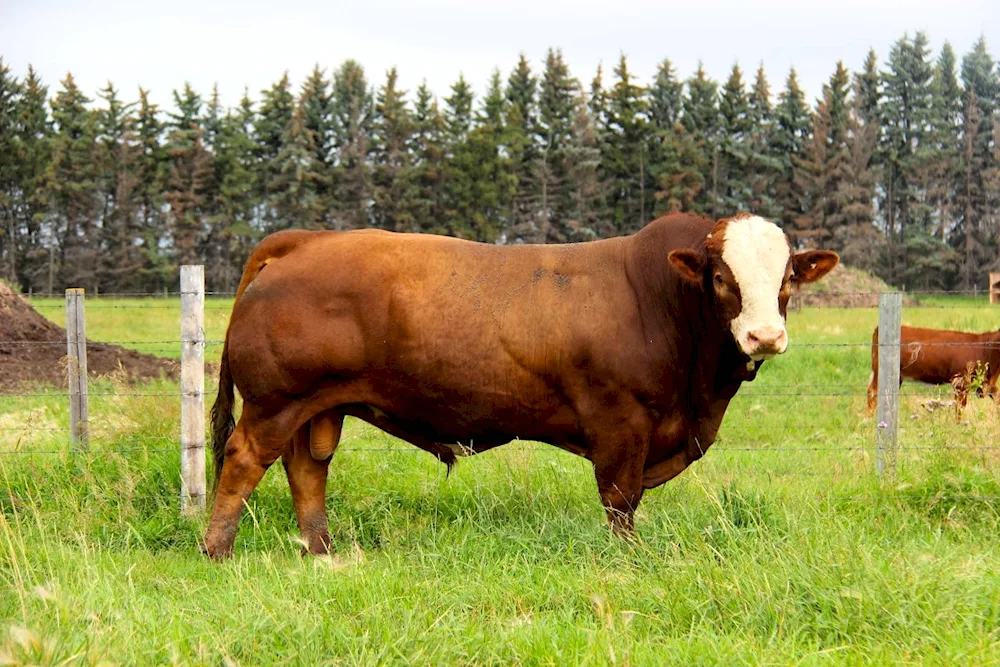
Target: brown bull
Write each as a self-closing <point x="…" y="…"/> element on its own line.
<point x="626" y="351"/>
<point x="939" y="356"/>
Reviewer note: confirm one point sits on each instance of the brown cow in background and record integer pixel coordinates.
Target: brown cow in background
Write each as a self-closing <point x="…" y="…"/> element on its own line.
<point x="940" y="356"/>
<point x="626" y="351"/>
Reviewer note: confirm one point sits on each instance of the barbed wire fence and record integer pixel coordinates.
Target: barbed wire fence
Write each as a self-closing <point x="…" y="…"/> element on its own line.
<point x="191" y="440"/>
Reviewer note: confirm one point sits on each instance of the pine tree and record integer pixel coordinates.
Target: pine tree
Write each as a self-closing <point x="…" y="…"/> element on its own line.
<point x="853" y="214"/>
<point x="868" y="89"/>
<point x="494" y="103"/>
<point x="316" y="101"/>
<point x="152" y="165"/>
<point x="520" y="132"/>
<point x="944" y="140"/>
<point x="702" y="122"/>
<point x="623" y="152"/>
<point x="556" y="103"/>
<point x="235" y="226"/>
<point x="10" y="91"/>
<point x="814" y="174"/>
<point x="32" y="154"/>
<point x="598" y="102"/>
<point x="835" y="94"/>
<point x="905" y="119"/>
<point x="676" y="164"/>
<point x="487" y="171"/>
<point x="212" y="120"/>
<point x="459" y="113"/>
<point x="277" y="107"/>
<point x="678" y="168"/>
<point x="977" y="199"/>
<point x="393" y="160"/>
<point x="763" y="167"/>
<point x="353" y="113"/>
<point x="585" y="218"/>
<point x="120" y="259"/>
<point x="295" y="185"/>
<point x="969" y="196"/>
<point x="836" y="106"/>
<point x="522" y="87"/>
<point x="72" y="188"/>
<point x="317" y="108"/>
<point x="666" y="98"/>
<point x="187" y="117"/>
<point x="190" y="177"/>
<point x="733" y="187"/>
<point x="792" y="133"/>
<point x="430" y="153"/>
<point x="460" y="178"/>
<point x="493" y="120"/>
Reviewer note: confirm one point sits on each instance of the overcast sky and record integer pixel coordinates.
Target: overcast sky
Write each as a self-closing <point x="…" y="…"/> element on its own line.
<point x="250" y="43"/>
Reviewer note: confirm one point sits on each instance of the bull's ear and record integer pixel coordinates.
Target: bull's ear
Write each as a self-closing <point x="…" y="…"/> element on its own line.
<point x="811" y="265"/>
<point x="690" y="264"/>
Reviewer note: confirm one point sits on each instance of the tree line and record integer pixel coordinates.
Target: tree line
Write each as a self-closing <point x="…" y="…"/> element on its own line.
<point x="897" y="166"/>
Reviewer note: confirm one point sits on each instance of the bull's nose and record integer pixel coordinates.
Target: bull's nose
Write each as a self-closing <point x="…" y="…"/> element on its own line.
<point x="766" y="341"/>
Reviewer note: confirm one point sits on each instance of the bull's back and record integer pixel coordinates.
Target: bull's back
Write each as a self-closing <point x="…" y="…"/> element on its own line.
<point x="480" y="325"/>
<point x="935" y="356"/>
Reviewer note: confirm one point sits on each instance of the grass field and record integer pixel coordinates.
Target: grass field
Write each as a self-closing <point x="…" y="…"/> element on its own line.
<point x="780" y="547"/>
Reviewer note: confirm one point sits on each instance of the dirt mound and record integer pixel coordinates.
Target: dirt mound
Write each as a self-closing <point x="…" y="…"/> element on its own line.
<point x="33" y="349"/>
<point x="846" y="287"/>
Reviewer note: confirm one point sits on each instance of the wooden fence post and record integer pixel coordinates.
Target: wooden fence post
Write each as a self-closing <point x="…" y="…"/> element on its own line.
<point x="76" y="368"/>
<point x="192" y="388"/>
<point x="890" y="307"/>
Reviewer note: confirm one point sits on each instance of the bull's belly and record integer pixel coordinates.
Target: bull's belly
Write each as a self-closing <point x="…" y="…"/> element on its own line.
<point x="468" y="421"/>
<point x="933" y="376"/>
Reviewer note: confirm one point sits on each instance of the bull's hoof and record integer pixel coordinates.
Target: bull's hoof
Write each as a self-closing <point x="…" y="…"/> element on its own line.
<point x="622" y="527"/>
<point x="321" y="549"/>
<point x="626" y="534"/>
<point x="217" y="554"/>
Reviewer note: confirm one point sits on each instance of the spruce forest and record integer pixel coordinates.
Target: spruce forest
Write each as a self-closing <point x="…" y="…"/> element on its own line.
<point x="896" y="167"/>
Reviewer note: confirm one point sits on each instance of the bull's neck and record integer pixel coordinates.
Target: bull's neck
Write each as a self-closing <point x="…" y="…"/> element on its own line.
<point x="679" y="322"/>
<point x="677" y="317"/>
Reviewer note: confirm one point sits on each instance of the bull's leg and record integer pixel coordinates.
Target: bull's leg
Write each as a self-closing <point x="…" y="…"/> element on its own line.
<point x="873" y="381"/>
<point x="961" y="395"/>
<point x="872" y="392"/>
<point x="990" y="389"/>
<point x="246" y="461"/>
<point x="619" y="457"/>
<point x="307" y="463"/>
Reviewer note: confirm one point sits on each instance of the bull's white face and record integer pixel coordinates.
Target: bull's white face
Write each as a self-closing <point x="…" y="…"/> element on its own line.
<point x="757" y="253"/>
<point x="747" y="268"/>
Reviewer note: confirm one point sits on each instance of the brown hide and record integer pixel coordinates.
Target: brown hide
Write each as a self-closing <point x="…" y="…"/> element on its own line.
<point x="599" y="348"/>
<point x="940" y="356"/>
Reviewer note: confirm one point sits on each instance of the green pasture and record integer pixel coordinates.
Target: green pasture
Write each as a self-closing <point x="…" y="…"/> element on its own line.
<point x="781" y="546"/>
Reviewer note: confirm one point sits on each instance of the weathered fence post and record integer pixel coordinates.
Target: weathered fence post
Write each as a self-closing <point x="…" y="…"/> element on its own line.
<point x="76" y="368"/>
<point x="890" y="307"/>
<point x="192" y="388"/>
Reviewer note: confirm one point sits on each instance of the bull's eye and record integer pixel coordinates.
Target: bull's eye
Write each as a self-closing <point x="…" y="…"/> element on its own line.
<point x="719" y="282"/>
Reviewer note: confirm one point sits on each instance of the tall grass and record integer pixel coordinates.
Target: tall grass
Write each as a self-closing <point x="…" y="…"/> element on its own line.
<point x="780" y="547"/>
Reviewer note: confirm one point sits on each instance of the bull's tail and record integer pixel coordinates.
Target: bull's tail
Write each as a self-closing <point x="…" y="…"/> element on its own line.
<point x="223" y="423"/>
